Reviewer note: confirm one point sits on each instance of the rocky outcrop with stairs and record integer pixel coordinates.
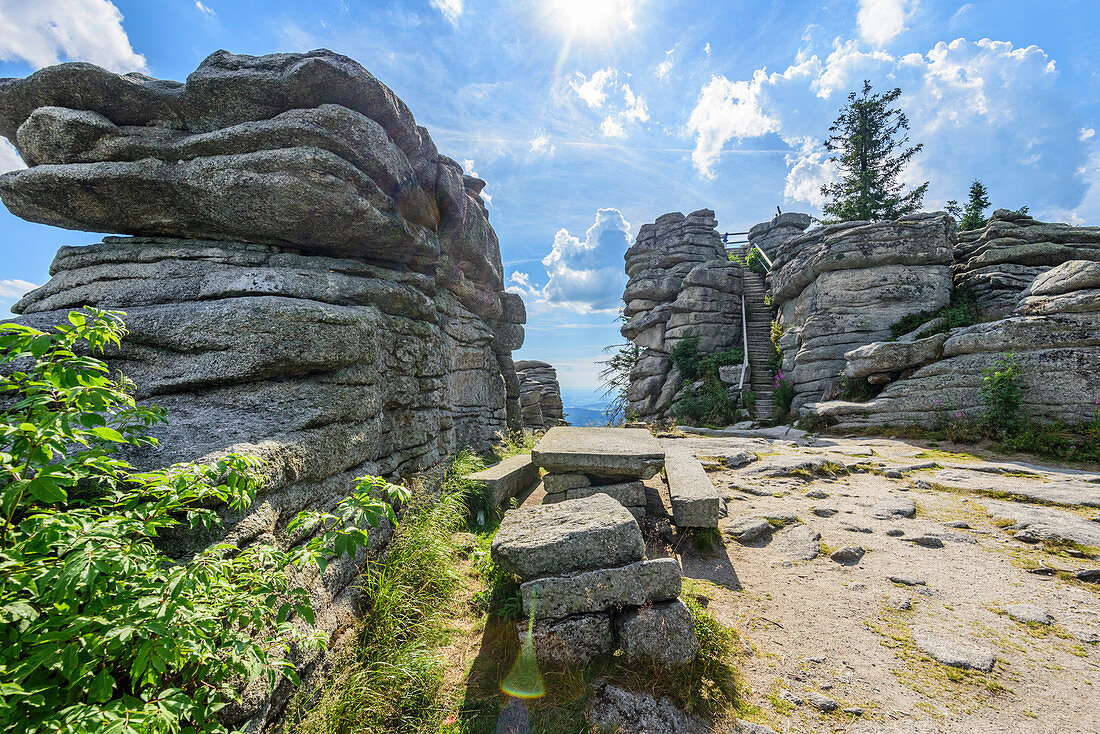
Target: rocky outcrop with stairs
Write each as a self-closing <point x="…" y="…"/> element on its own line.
<point x="758" y="328"/>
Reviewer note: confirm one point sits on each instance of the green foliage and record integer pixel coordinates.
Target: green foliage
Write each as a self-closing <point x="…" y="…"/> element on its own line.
<point x="693" y="365"/>
<point x="783" y="397"/>
<point x="974" y="215"/>
<point x="1003" y="396"/>
<point x="615" y="377"/>
<point x="857" y="389"/>
<point x="500" y="597"/>
<point x="755" y="263"/>
<point x="775" y="359"/>
<point x="869" y="141"/>
<point x="710" y="405"/>
<point x="390" y="681"/>
<point x="748" y="401"/>
<point x="102" y="631"/>
<point x="954" y="209"/>
<point x="961" y="311"/>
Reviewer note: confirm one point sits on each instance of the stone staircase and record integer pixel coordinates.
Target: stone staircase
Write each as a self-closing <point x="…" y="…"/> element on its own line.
<point x="759" y="323"/>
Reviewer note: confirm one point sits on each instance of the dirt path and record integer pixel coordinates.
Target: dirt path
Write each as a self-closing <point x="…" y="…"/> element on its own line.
<point x="846" y="631"/>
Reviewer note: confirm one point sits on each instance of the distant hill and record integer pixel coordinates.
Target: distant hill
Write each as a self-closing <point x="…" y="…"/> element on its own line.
<point x="585" y="416"/>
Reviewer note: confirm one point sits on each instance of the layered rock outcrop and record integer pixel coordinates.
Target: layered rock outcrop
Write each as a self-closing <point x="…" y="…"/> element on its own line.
<point x="843" y="286"/>
<point x="1053" y="335"/>
<point x="768" y="236"/>
<point x="681" y="286"/>
<point x="999" y="261"/>
<point x="540" y="394"/>
<point x="309" y="280"/>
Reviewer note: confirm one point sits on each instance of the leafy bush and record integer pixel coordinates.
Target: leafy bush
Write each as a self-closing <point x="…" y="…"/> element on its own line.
<point x="710" y="405"/>
<point x="693" y="365"/>
<point x="1002" y="394"/>
<point x="783" y="397"/>
<point x="961" y="311"/>
<point x="101" y="630"/>
<point x="755" y="263"/>
<point x="775" y="360"/>
<point x="857" y="389"/>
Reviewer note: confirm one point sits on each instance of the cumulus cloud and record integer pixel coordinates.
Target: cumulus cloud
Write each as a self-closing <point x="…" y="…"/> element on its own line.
<point x="9" y="157"/>
<point x="583" y="275"/>
<point x="983" y="109"/>
<point x="606" y="91"/>
<point x="12" y="289"/>
<point x="665" y="66"/>
<point x="541" y="145"/>
<point x="205" y="10"/>
<point x="45" y="32"/>
<point x="881" y="21"/>
<point x="450" y="9"/>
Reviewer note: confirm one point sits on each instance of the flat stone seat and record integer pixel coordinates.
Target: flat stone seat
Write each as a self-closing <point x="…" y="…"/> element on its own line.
<point x="606" y="452"/>
<point x="574" y="535"/>
<point x="694" y="500"/>
<point x="507" y="478"/>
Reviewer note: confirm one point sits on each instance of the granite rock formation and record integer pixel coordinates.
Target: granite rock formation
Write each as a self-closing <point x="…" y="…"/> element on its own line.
<point x="681" y="285"/>
<point x="843" y="286"/>
<point x="999" y="261"/>
<point x="309" y="280"/>
<point x="539" y="394"/>
<point x="769" y="236"/>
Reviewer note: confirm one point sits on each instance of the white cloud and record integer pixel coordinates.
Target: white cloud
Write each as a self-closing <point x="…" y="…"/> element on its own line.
<point x="881" y="21"/>
<point x="665" y="66"/>
<point x="9" y="157"/>
<point x="612" y="129"/>
<point x="12" y="289"/>
<point x="605" y="91"/>
<point x="706" y="49"/>
<point x="983" y="109"/>
<point x="583" y="276"/>
<point x="541" y="145"/>
<point x="45" y="32"/>
<point x="593" y="91"/>
<point x="450" y="9"/>
<point x="207" y="11"/>
<point x="726" y="110"/>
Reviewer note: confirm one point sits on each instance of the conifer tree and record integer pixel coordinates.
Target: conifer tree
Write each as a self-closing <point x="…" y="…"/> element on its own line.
<point x="869" y="141"/>
<point x="974" y="216"/>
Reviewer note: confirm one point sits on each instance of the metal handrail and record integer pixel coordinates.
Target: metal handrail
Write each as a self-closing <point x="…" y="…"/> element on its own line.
<point x="767" y="260"/>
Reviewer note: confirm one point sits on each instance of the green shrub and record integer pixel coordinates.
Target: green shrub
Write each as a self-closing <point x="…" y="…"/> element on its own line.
<point x="709" y="406"/>
<point x="101" y="630"/>
<point x="783" y="397"/>
<point x="857" y="389"/>
<point x="748" y="401"/>
<point x="693" y="365"/>
<point x="1002" y="393"/>
<point x="755" y="263"/>
<point x="961" y="311"/>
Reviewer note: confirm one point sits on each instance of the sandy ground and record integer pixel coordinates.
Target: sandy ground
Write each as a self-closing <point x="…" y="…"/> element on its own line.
<point x="844" y="630"/>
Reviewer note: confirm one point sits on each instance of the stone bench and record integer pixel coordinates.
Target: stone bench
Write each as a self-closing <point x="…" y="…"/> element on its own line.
<point x="695" y="502"/>
<point x="508" y="478"/>
<point x="584" y="576"/>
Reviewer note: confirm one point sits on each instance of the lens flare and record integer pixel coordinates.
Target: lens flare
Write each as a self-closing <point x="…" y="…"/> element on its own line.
<point x="525" y="678"/>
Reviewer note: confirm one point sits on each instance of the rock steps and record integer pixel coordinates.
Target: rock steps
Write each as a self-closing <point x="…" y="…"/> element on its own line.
<point x="759" y="324"/>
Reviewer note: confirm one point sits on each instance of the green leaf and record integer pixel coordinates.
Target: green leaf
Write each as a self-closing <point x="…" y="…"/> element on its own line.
<point x="103" y="685"/>
<point x="45" y="490"/>
<point x="40" y="345"/>
<point x="109" y="434"/>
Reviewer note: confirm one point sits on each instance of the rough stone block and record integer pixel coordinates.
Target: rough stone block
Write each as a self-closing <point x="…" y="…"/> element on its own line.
<point x="694" y="500"/>
<point x="574" y="535"/>
<point x="602" y="589"/>
<point x="615" y="452"/>
<point x="554" y="483"/>
<point x="573" y="641"/>
<point x="508" y="478"/>
<point x="663" y="633"/>
<point x="627" y="494"/>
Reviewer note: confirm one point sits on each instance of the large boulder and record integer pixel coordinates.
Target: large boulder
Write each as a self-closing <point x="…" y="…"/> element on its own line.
<point x="541" y="379"/>
<point x="310" y="281"/>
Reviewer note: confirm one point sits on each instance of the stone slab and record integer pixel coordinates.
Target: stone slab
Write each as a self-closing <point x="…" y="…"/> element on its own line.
<point x="603" y="589"/>
<point x="569" y="642"/>
<point x="615" y="452"/>
<point x="950" y="651"/>
<point x="662" y="633"/>
<point x="694" y="500"/>
<point x="627" y="494"/>
<point x="554" y="483"/>
<point x="574" y="535"/>
<point x="508" y="478"/>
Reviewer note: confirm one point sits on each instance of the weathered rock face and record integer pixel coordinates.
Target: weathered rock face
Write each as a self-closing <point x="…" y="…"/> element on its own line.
<point x="539" y="394"/>
<point x="311" y="281"/>
<point x="769" y="236"/>
<point x="1054" y="335"/>
<point x="681" y="286"/>
<point x="1000" y="260"/>
<point x="843" y="286"/>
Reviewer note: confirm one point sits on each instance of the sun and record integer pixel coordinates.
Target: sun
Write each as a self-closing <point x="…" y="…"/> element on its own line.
<point x="589" y="17"/>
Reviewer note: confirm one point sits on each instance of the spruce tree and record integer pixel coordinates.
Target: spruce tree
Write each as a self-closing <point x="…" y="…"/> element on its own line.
<point x="974" y="216"/>
<point x="869" y="141"/>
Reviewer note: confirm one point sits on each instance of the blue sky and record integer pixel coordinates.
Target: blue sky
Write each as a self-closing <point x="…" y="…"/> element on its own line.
<point x="589" y="118"/>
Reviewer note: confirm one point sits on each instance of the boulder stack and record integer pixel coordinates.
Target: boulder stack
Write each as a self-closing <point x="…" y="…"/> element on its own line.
<point x="584" y="575"/>
<point x="768" y="236"/>
<point x="307" y="280"/>
<point x="999" y="261"/>
<point x="540" y="395"/>
<point x="843" y="286"/>
<point x="681" y="285"/>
